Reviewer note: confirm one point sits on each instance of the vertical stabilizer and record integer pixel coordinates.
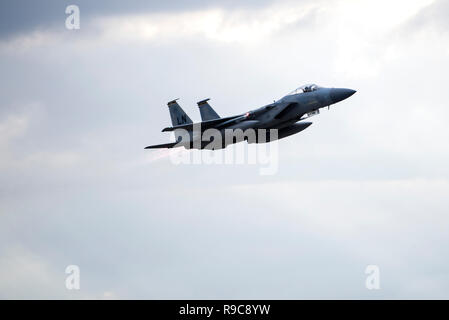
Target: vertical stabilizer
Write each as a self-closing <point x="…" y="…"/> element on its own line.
<point x="178" y="116"/>
<point x="207" y="113"/>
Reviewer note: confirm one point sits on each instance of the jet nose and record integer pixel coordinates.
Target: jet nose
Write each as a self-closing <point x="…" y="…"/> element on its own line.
<point x="339" y="94"/>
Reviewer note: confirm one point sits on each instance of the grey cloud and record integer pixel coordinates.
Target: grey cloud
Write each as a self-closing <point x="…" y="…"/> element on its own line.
<point x="366" y="184"/>
<point x="22" y="16"/>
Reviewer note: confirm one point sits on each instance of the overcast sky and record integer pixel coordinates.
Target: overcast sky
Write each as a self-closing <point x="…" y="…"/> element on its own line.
<point x="366" y="184"/>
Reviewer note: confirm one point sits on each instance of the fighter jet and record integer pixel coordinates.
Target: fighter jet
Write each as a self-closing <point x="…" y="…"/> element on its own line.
<point x="277" y="120"/>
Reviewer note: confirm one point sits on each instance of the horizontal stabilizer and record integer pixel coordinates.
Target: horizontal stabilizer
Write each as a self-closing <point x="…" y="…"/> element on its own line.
<point x="162" y="146"/>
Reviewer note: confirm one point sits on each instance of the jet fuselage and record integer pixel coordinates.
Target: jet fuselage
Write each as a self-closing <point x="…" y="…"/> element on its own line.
<point x="285" y="115"/>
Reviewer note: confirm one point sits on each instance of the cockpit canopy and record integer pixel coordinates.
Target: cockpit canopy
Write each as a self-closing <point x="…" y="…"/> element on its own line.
<point x="304" y="88"/>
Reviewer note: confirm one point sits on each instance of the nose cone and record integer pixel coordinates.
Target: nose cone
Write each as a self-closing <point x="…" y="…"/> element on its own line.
<point x="339" y="94"/>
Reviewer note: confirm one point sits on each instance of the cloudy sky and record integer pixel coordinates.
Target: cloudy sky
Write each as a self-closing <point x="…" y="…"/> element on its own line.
<point x="366" y="184"/>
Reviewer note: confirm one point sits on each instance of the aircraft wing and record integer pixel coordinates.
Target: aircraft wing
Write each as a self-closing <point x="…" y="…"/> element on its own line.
<point x="285" y="110"/>
<point x="215" y="123"/>
<point x="222" y="123"/>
